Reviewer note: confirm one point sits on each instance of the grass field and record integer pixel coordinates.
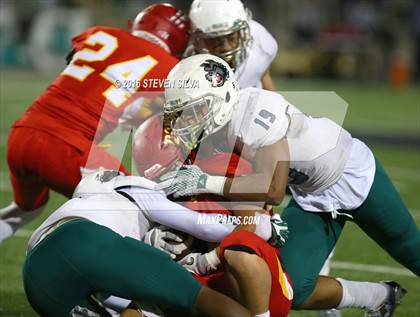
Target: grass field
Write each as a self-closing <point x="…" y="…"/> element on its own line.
<point x="372" y="109"/>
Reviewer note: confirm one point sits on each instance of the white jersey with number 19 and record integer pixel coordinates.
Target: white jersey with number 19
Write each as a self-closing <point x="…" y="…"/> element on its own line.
<point x="320" y="149"/>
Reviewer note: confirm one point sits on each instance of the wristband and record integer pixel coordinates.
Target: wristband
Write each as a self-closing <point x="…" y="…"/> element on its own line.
<point x="263" y="228"/>
<point x="215" y="184"/>
<point x="212" y="259"/>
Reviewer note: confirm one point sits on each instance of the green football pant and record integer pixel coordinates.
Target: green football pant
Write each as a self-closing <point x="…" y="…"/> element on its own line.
<point x="383" y="216"/>
<point x="81" y="258"/>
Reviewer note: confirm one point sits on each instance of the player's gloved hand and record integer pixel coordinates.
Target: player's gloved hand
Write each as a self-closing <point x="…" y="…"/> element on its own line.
<point x="78" y="311"/>
<point x="190" y="180"/>
<point x="138" y="111"/>
<point x="130" y="117"/>
<point x="160" y="237"/>
<point x="201" y="264"/>
<point x="279" y="231"/>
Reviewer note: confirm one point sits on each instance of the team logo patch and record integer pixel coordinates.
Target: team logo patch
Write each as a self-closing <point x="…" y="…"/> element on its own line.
<point x="106" y="176"/>
<point x="216" y="73"/>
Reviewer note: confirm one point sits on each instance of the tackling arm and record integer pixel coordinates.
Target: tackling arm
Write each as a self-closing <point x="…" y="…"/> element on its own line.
<point x="267" y="184"/>
<point x="157" y="208"/>
<point x="269" y="181"/>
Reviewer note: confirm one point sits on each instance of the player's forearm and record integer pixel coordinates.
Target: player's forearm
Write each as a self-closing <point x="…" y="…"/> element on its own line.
<point x="247" y="212"/>
<point x="254" y="187"/>
<point x="157" y="208"/>
<point x="206" y="227"/>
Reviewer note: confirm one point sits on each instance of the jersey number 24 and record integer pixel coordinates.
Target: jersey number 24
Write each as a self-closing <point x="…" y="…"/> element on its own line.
<point x="132" y="70"/>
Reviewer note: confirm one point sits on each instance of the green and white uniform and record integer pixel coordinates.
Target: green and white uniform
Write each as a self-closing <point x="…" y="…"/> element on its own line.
<point x="330" y="172"/>
<point x="319" y="148"/>
<point x="93" y="246"/>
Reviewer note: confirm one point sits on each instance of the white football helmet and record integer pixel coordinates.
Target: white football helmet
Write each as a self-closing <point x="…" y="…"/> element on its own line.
<point x="221" y="28"/>
<point x="201" y="98"/>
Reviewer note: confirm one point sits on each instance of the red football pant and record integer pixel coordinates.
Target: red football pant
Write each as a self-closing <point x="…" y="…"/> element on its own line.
<point x="281" y="291"/>
<point x="39" y="162"/>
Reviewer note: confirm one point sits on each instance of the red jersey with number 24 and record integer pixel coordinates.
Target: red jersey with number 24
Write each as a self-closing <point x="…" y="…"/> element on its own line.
<point x="109" y="66"/>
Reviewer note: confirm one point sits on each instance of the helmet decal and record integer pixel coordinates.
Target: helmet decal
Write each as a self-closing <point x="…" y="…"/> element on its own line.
<point x="194" y="114"/>
<point x="216" y="72"/>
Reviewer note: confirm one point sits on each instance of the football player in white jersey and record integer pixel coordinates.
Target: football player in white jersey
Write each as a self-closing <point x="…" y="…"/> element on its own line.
<point x="333" y="177"/>
<point x="225" y="28"/>
<point x="92" y="246"/>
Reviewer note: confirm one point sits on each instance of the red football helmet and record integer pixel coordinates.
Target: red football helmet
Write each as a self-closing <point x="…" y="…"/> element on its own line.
<point x="165" y="25"/>
<point x="153" y="152"/>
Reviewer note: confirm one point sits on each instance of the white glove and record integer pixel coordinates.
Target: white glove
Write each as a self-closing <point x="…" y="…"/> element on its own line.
<point x="126" y="121"/>
<point x="201" y="264"/>
<point x="138" y="111"/>
<point x="280" y="231"/>
<point x="190" y="180"/>
<point x="160" y="237"/>
<point x="78" y="311"/>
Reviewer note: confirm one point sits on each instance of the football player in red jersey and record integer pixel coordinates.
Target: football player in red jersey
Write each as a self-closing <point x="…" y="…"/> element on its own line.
<point x="50" y="144"/>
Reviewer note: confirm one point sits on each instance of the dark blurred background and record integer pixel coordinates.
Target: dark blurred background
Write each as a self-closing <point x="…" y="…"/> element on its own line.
<point x="359" y="40"/>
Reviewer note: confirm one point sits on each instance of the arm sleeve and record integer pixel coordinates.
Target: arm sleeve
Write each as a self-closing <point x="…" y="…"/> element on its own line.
<point x="157" y="208"/>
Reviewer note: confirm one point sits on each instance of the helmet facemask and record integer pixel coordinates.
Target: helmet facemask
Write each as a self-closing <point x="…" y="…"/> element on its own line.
<point x="239" y="37"/>
<point x="193" y="121"/>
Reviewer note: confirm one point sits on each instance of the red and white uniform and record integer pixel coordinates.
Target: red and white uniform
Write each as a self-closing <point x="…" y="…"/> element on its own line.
<point x="82" y="105"/>
<point x="281" y="294"/>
